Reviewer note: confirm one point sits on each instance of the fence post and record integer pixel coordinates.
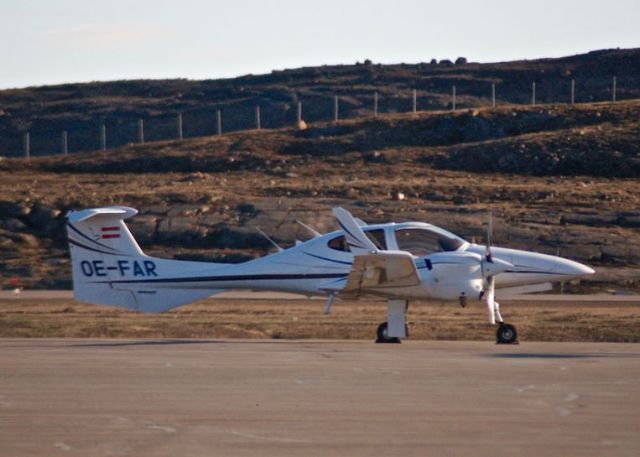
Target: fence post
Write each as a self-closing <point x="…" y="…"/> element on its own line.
<point x="453" y="98"/>
<point x="375" y="104"/>
<point x="533" y="94"/>
<point x="219" y="122"/>
<point x="64" y="146"/>
<point x="141" y="131"/>
<point x="335" y="108"/>
<point x="415" y="102"/>
<point x="615" y="87"/>
<point x="27" y="145"/>
<point x="103" y="137"/>
<point x="493" y="95"/>
<point x="299" y="113"/>
<point x="258" y="117"/>
<point x="179" y="121"/>
<point x="573" y="91"/>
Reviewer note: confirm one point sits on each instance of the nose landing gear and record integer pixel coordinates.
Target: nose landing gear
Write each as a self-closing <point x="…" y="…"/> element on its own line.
<point x="506" y="334"/>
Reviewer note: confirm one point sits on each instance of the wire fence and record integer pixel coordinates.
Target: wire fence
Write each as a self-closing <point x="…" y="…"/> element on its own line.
<point x="212" y="120"/>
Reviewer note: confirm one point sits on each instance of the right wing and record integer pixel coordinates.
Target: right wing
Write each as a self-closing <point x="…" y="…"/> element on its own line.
<point x="373" y="273"/>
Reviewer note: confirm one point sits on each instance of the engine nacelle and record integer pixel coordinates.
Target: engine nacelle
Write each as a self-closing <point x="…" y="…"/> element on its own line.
<point x="452" y="275"/>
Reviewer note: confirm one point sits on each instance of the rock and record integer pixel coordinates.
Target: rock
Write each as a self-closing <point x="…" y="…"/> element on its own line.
<point x="302" y="125"/>
<point x="398" y="196"/>
<point x="29" y="240"/>
<point x="12" y="224"/>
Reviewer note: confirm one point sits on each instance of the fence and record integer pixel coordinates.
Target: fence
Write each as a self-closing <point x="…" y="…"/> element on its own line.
<point x="374" y="100"/>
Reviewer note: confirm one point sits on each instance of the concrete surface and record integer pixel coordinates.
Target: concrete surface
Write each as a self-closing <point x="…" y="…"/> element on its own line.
<point x="293" y="398"/>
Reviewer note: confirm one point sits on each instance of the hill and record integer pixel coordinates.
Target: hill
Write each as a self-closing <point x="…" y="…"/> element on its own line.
<point x="203" y="198"/>
<point x="81" y="109"/>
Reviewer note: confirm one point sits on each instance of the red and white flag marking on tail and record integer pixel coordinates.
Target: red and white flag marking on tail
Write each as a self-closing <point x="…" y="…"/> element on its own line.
<point x="110" y="232"/>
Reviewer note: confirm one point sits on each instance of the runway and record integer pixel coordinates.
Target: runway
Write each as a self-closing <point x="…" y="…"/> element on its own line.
<point x="78" y="397"/>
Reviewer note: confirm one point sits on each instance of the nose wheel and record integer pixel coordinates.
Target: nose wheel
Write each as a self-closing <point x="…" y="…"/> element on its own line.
<point x="506" y="334"/>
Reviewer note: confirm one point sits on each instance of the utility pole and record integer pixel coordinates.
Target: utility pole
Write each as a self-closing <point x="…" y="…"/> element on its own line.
<point x="219" y="122"/>
<point x="299" y="113"/>
<point x="335" y="108"/>
<point x="615" y="87"/>
<point x="179" y="121"/>
<point x="258" y="117"/>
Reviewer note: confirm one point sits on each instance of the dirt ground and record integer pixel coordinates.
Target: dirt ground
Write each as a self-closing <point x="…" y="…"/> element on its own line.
<point x="303" y="319"/>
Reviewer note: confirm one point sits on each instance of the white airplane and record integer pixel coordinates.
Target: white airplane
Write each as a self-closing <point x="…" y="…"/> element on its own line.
<point x="398" y="262"/>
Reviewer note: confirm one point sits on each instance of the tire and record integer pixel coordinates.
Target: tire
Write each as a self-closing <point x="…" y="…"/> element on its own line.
<point x="507" y="334"/>
<point x="383" y="335"/>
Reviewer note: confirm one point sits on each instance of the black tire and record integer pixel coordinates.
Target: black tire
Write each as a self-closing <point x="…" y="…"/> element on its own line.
<point x="507" y="334"/>
<point x="383" y="334"/>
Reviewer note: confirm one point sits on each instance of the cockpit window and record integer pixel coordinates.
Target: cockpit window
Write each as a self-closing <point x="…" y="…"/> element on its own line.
<point x="377" y="237"/>
<point x="422" y="242"/>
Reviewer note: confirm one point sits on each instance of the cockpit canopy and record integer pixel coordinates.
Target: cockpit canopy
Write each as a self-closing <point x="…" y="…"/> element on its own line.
<point x="423" y="241"/>
<point x="419" y="239"/>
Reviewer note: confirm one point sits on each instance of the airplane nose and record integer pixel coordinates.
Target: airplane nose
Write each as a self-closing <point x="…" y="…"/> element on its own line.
<point x="571" y="268"/>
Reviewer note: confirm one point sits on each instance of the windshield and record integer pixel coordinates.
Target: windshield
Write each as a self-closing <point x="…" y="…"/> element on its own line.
<point x="421" y="242"/>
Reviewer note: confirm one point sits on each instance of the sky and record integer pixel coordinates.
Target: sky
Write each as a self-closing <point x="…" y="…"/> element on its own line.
<point x="61" y="41"/>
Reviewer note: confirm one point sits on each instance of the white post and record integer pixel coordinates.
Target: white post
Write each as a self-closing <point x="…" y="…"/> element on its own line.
<point x="103" y="137"/>
<point x="64" y="146"/>
<point x="299" y="113"/>
<point x="257" y="117"/>
<point x="415" y="101"/>
<point x="453" y="98"/>
<point x="335" y="108"/>
<point x="219" y="122"/>
<point x="27" y="145"/>
<point x="533" y="93"/>
<point x="493" y="95"/>
<point x="615" y="87"/>
<point x="573" y="91"/>
<point x="140" y="131"/>
<point x="179" y="120"/>
<point x="375" y="104"/>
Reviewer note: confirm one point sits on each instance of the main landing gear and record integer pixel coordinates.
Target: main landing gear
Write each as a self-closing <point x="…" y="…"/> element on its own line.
<point x="506" y="334"/>
<point x="395" y="328"/>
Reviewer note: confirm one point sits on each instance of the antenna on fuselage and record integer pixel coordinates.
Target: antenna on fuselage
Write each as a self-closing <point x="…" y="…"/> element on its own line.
<point x="311" y="230"/>
<point x="276" y="245"/>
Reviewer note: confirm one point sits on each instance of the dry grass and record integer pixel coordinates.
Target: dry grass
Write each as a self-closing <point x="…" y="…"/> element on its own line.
<point x="303" y="319"/>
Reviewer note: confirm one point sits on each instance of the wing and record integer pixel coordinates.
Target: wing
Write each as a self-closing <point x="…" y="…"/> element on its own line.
<point x="373" y="273"/>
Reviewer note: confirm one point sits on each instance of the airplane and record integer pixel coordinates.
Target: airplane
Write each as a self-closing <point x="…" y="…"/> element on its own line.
<point x="393" y="261"/>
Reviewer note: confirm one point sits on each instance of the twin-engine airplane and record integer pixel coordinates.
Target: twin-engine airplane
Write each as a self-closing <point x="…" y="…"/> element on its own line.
<point x="398" y="262"/>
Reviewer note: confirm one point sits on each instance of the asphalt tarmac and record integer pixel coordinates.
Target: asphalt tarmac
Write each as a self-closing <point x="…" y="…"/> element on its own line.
<point x="293" y="398"/>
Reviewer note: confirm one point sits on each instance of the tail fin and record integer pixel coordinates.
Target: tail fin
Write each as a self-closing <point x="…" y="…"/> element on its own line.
<point x="109" y="268"/>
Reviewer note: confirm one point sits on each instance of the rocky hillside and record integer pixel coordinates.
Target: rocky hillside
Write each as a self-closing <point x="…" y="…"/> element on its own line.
<point x="558" y="179"/>
<point x="80" y="109"/>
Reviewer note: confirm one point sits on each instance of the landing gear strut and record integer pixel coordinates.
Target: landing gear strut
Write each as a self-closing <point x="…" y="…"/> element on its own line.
<point x="395" y="328"/>
<point x="506" y="334"/>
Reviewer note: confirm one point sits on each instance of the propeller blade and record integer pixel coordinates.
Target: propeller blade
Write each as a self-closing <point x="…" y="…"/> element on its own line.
<point x="487" y="252"/>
